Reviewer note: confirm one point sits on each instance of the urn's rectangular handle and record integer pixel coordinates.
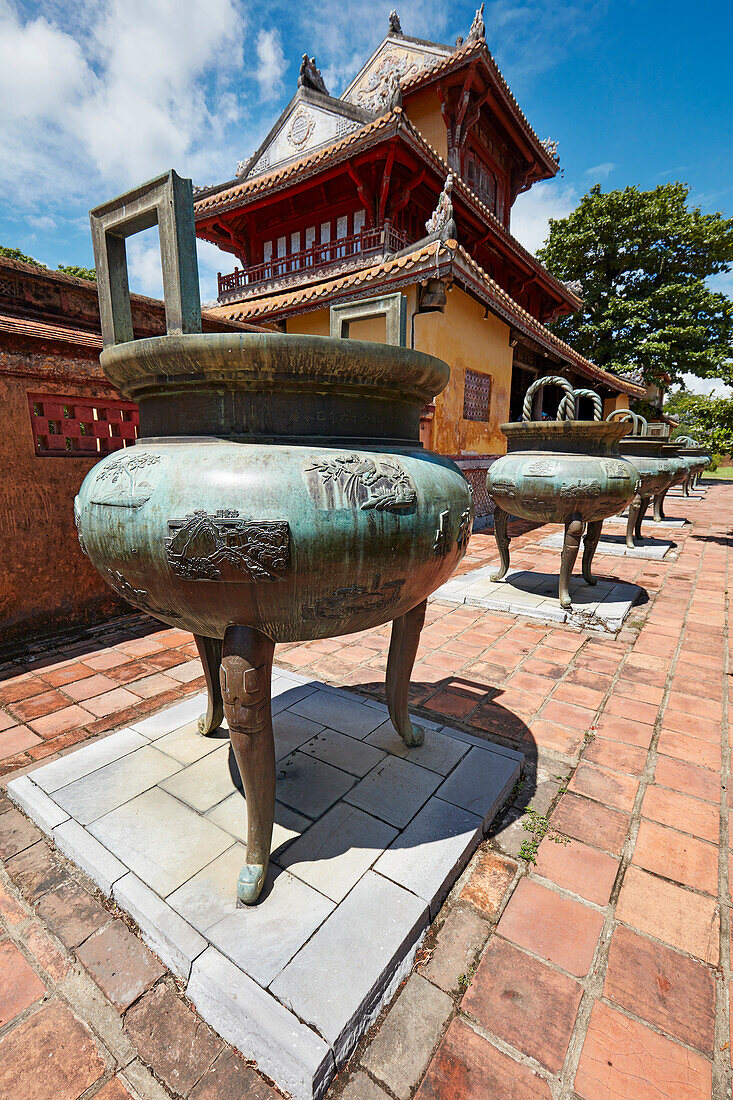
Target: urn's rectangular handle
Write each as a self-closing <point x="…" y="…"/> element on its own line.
<point x="393" y="307"/>
<point x="168" y="203"/>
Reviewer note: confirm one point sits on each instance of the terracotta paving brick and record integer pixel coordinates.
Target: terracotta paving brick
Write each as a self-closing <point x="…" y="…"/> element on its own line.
<point x="186" y="671"/>
<point x="89" y="687"/>
<point x="11" y="910"/>
<point x="16" y="833"/>
<point x="63" y="721"/>
<point x="39" y="705"/>
<point x="564" y="714"/>
<point x="35" y="871"/>
<point x="6" y="721"/>
<point x="680" y="811"/>
<point x="15" y="740"/>
<point x="45" y="952"/>
<point x="49" y="1056"/>
<point x="131" y="670"/>
<point x="66" y="674"/>
<point x="111" y="701"/>
<point x="20" y="986"/>
<point x="633" y="709"/>
<point x="610" y="788"/>
<point x="624" y="730"/>
<point x="577" y="693"/>
<point x="113" y="1090"/>
<point x="578" y="868"/>
<point x="455" y="949"/>
<point x="556" y="928"/>
<point x="623" y="1058"/>
<point x="232" y="1079"/>
<point x="616" y="756"/>
<point x="699" y="782"/>
<point x="490" y="878"/>
<point x="662" y="986"/>
<point x="465" y="1065"/>
<point x="526" y="1004"/>
<point x="691" y="724"/>
<point x="590" y="822"/>
<point x="71" y="913"/>
<point x="120" y="963"/>
<point x="693" y="750"/>
<point x="140" y="647"/>
<point x="550" y="736"/>
<point x="171" y="1037"/>
<point x="672" y="854"/>
<point x="692" y="704"/>
<point x="22" y="687"/>
<point x="677" y="916"/>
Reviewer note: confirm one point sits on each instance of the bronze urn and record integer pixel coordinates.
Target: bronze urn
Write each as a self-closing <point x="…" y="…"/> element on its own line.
<point x="278" y="492"/>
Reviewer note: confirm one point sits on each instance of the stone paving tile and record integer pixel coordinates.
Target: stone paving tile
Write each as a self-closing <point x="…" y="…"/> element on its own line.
<point x="455" y="950"/>
<point x="36" y="870"/>
<point x="16" y="834"/>
<point x="491" y="876"/>
<point x="530" y="1006"/>
<point x="229" y="1078"/>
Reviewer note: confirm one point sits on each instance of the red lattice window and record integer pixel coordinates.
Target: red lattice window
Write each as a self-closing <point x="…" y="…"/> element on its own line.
<point x="476" y="396"/>
<point x="78" y="426"/>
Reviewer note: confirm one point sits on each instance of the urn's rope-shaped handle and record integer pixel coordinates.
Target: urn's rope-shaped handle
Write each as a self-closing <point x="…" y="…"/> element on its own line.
<point x="168" y="203"/>
<point x="638" y="421"/>
<point x="540" y="383"/>
<point x="566" y="408"/>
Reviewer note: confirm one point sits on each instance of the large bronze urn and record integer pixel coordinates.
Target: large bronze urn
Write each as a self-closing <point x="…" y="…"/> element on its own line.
<point x="655" y="470"/>
<point x="696" y="459"/>
<point x="680" y="469"/>
<point x="563" y="471"/>
<point x="278" y="493"/>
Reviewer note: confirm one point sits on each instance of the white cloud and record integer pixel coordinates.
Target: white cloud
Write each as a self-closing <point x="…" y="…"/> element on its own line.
<point x="600" y="171"/>
<point x="712" y="387"/>
<point x="270" y="63"/>
<point x="532" y="211"/>
<point x="145" y="273"/>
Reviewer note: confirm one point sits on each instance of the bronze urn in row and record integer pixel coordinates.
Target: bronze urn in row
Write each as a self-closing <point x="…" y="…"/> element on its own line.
<point x="278" y="492"/>
<point x="561" y="471"/>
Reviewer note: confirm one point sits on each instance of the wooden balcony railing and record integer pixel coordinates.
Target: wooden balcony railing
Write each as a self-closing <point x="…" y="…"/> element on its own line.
<point x="383" y="239"/>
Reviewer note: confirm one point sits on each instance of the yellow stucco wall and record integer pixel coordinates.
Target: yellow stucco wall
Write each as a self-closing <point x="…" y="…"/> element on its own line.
<point x="466" y="340"/>
<point x="423" y="111"/>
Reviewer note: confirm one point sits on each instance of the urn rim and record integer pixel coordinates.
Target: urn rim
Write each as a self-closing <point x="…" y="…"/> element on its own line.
<point x="262" y="362"/>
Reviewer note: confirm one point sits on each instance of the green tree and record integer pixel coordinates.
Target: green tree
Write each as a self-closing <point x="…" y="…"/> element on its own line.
<point x="709" y="420"/>
<point x="16" y="254"/>
<point x="641" y="259"/>
<point x="79" y="272"/>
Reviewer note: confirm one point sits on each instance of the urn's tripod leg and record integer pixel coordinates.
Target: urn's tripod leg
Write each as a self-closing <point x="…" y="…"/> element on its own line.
<point x="634" y="509"/>
<point x="642" y="512"/>
<point x="402" y="650"/>
<point x="246" y="670"/>
<point x="659" y="506"/>
<point x="501" y="519"/>
<point x="686" y="486"/>
<point x="590" y="542"/>
<point x="571" y="544"/>
<point x="210" y="654"/>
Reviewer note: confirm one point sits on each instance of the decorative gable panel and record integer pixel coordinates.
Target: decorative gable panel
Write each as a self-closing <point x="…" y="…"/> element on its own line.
<point x="305" y="128"/>
<point x="371" y="89"/>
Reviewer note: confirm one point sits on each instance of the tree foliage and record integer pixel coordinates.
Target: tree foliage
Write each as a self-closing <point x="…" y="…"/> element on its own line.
<point x="642" y="258"/>
<point x="16" y="254"/>
<point x="79" y="272"/>
<point x="709" y="420"/>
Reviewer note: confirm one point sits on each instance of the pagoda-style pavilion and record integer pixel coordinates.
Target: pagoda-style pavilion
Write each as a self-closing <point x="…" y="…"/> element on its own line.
<point x="406" y="183"/>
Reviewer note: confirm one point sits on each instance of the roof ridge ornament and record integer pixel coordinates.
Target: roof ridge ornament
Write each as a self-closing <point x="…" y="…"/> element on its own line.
<point x="550" y="146"/>
<point x="310" y="76"/>
<point x="478" y="28"/>
<point x="441" y="223"/>
<point x="395" y="27"/>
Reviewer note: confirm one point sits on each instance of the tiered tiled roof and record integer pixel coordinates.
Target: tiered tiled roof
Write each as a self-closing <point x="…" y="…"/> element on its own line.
<point x="438" y="258"/>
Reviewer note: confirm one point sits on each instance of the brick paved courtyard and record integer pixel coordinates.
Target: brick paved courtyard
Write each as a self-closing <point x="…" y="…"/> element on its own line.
<point x="584" y="952"/>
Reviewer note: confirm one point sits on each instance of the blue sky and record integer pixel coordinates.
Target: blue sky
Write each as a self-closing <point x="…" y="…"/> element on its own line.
<point x="99" y="95"/>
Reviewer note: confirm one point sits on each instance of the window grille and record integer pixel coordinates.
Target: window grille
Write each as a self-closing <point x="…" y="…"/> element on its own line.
<point x="75" y="427"/>
<point x="476" y="396"/>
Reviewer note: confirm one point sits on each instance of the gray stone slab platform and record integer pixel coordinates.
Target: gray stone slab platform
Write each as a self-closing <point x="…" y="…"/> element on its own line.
<point x="369" y="838"/>
<point x="602" y="607"/>
<point x="615" y="546"/>
<point x="649" y="524"/>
